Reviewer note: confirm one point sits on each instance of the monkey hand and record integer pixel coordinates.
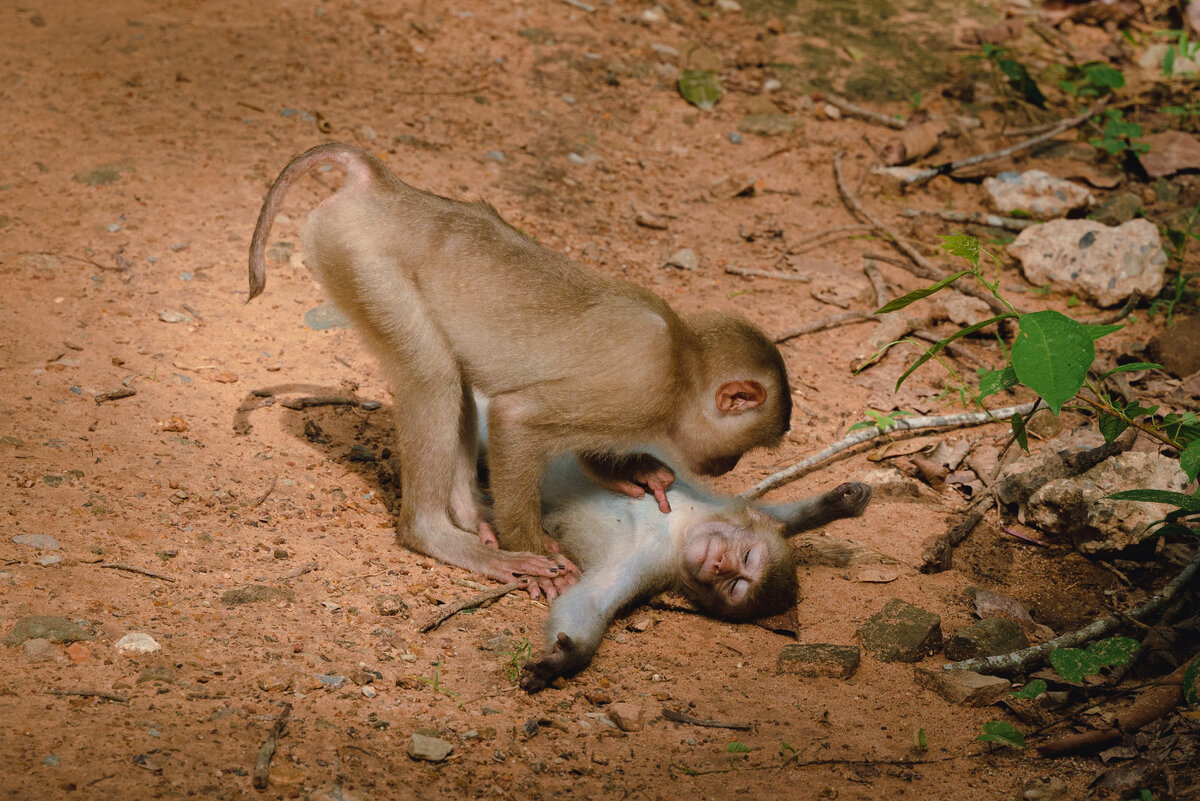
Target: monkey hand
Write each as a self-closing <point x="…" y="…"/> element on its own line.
<point x="632" y="475"/>
<point x="566" y="658"/>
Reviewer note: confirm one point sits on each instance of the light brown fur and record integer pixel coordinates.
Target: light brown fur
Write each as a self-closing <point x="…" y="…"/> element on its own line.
<point x="450" y="298"/>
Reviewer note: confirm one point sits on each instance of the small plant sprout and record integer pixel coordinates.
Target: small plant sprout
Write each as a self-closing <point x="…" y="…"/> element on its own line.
<point x="999" y="731"/>
<point x="515" y="658"/>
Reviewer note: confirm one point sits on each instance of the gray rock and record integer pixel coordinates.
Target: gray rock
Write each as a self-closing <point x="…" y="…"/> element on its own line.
<point x="48" y="560"/>
<point x="627" y="716"/>
<point x="1119" y="208"/>
<point x="1078" y="508"/>
<point x="989" y="637"/>
<point x="390" y="605"/>
<point x="768" y="124"/>
<point x="325" y="318"/>
<point x="39" y="649"/>
<point x="901" y="632"/>
<point x="1036" y="192"/>
<point x="1101" y="264"/>
<point x="1021" y="478"/>
<point x="39" y="541"/>
<point x="429" y="749"/>
<point x="962" y="686"/>
<point x="361" y="453"/>
<point x="253" y="593"/>
<point x="819" y="661"/>
<point x="330" y="682"/>
<point x="171" y="316"/>
<point x="685" y="259"/>
<point x="47" y="627"/>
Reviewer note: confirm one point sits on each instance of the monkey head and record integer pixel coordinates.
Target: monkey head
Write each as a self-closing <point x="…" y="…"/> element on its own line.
<point x="738" y="568"/>
<point x="742" y="400"/>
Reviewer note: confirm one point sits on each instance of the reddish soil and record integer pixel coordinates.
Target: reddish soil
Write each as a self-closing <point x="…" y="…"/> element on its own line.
<point x="140" y="139"/>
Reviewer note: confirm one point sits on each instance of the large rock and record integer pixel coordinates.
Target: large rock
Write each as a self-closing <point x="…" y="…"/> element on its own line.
<point x="1170" y="152"/>
<point x="1036" y="192"/>
<point x="990" y="637"/>
<point x="1102" y="264"/>
<point x="901" y="632"/>
<point x="45" y="627"/>
<point x="963" y="686"/>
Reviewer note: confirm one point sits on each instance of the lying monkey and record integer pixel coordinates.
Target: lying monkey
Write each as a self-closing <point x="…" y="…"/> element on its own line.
<point x="726" y="554"/>
<point x="451" y="298"/>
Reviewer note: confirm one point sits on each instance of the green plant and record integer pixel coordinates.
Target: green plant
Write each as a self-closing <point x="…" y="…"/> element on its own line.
<point x="1090" y="80"/>
<point x="879" y="420"/>
<point x="735" y="747"/>
<point x="1182" y="47"/>
<point x="1031" y="690"/>
<point x="515" y="658"/>
<point x="1075" y="664"/>
<point x="1119" y="136"/>
<point x="1016" y="75"/>
<point x="435" y="682"/>
<point x="998" y="731"/>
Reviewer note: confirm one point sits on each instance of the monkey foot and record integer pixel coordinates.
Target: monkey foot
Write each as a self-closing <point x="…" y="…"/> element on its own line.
<point x="566" y="658"/>
<point x="849" y="499"/>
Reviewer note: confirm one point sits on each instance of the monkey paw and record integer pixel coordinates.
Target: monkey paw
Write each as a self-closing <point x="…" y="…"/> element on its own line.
<point x="566" y="658"/>
<point x="849" y="499"/>
<point x="632" y="475"/>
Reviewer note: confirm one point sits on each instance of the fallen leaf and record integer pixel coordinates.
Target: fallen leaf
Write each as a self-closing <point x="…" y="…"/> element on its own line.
<point x="879" y="575"/>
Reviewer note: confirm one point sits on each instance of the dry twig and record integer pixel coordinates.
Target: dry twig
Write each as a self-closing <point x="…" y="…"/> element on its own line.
<point x="846" y="106"/>
<point x="845" y="318"/>
<point x="994" y="220"/>
<point x="107" y="696"/>
<point x="681" y="717"/>
<point x="876" y="279"/>
<point x="732" y="270"/>
<point x="450" y="610"/>
<point x="262" y="765"/>
<point x="139" y="570"/>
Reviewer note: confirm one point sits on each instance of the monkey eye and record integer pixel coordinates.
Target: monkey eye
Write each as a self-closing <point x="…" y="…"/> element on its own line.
<point x="746" y="558"/>
<point x="737" y="590"/>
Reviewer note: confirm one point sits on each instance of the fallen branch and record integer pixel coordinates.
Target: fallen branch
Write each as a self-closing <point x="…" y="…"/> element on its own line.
<point x="1121" y="313"/>
<point x="865" y="434"/>
<point x="681" y="717"/>
<point x="1018" y="661"/>
<point x="139" y="570"/>
<point x="310" y="401"/>
<point x="844" y="105"/>
<point x="876" y="279"/>
<point x="263" y="498"/>
<point x="1151" y="705"/>
<point x="262" y="765"/>
<point x="994" y="220"/>
<point x="921" y="266"/>
<point x="845" y="318"/>
<point x="107" y="696"/>
<point x="450" y="610"/>
<point x="937" y="553"/>
<point x="1065" y="125"/>
<point x="767" y="274"/>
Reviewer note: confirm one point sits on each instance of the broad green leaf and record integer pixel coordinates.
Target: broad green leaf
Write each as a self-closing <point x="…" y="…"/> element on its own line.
<point x="1129" y="368"/>
<point x="993" y="381"/>
<point x="1191" y="682"/>
<point x="1103" y="76"/>
<point x="701" y="88"/>
<point x="1189" y="459"/>
<point x="1020" y="80"/>
<point x="1111" y="426"/>
<point x="1097" y="331"/>
<point x="737" y="748"/>
<point x="1071" y="663"/>
<point x="937" y="346"/>
<point x="1189" y="503"/>
<point x="962" y="245"/>
<point x="999" y="731"/>
<point x="1019" y="432"/>
<point x="1112" y="651"/>
<point x="912" y="297"/>
<point x="1052" y="354"/>
<point x="1135" y="409"/>
<point x="1031" y="690"/>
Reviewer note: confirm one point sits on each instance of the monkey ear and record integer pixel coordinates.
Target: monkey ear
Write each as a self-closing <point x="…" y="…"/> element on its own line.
<point x="739" y="396"/>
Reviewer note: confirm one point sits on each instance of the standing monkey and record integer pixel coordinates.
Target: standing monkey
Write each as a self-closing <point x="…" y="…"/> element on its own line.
<point x="450" y="298"/>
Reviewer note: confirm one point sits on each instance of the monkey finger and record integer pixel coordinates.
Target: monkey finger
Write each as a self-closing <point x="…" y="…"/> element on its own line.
<point x="660" y="495"/>
<point x="487" y="535"/>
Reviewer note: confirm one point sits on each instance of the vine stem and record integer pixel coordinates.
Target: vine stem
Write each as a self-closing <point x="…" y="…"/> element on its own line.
<point x="1148" y="431"/>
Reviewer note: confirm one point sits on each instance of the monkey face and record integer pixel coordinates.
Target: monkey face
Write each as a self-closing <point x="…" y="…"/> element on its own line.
<point x="722" y="564"/>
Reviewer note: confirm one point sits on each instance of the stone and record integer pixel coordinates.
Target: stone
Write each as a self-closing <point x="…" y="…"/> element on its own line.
<point x="685" y="259"/>
<point x="894" y="180"/>
<point x="330" y="682"/>
<point x="325" y="317"/>
<point x="1170" y="152"/>
<point x="137" y="642"/>
<point x="46" y="627"/>
<point x="901" y="632"/>
<point x="429" y="749"/>
<point x="1119" y="208"/>
<point x="102" y="175"/>
<point x="768" y="124"/>
<point x="1046" y="788"/>
<point x="253" y="593"/>
<point x="1037" y="192"/>
<point x="627" y="716"/>
<point x="1019" y="479"/>
<point x="172" y="316"/>
<point x="1078" y="508"/>
<point x="391" y="606"/>
<point x="1177" y="348"/>
<point x="989" y="637"/>
<point x="40" y="649"/>
<point x="1102" y="264"/>
<point x="79" y="652"/>
<point x="819" y="660"/>
<point x="43" y="542"/>
<point x="962" y="686"/>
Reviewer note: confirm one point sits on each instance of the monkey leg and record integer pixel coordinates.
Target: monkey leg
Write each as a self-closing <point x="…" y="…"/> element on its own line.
<point x="463" y="508"/>
<point x="845" y="500"/>
<point x="516" y="460"/>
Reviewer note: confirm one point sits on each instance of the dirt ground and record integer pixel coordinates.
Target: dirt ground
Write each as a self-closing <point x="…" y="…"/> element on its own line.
<point x="140" y="138"/>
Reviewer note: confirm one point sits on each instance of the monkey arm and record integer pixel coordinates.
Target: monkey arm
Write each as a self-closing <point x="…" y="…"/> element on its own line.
<point x="631" y="474"/>
<point x="845" y="500"/>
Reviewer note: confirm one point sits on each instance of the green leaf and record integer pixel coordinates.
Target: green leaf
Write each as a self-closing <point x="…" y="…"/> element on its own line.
<point x="701" y="88"/>
<point x="920" y="740"/>
<point x="1075" y="664"/>
<point x="999" y="731"/>
<point x="1129" y="368"/>
<point x="1103" y="76"/>
<point x="1189" y="503"/>
<point x="1097" y="331"/>
<point x="1071" y="663"/>
<point x="993" y="381"/>
<point x="1191" y="682"/>
<point x="1021" y="81"/>
<point x="1019" y="432"/>
<point x="737" y="748"/>
<point x="1189" y="460"/>
<point x="1111" y="426"/>
<point x="937" y="346"/>
<point x="912" y="297"/>
<point x="1031" y="690"/>
<point x="1112" y="651"/>
<point x="962" y="245"/>
<point x="1052" y="354"/>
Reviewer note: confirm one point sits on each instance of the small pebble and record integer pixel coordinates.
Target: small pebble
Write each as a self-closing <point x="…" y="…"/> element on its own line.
<point x="136" y="642"/>
<point x="113" y="228"/>
<point x="735" y="137"/>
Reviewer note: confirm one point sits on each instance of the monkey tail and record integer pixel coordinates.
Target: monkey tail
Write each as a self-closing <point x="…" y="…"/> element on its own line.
<point x="353" y="159"/>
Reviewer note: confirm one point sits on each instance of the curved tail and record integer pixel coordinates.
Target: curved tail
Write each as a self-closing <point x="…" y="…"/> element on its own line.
<point x="356" y="162"/>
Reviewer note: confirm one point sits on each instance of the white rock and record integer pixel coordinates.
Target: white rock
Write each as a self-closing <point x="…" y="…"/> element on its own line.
<point x="429" y="749"/>
<point x="1103" y="264"/>
<point x="685" y="259"/>
<point x="136" y="642"/>
<point x="1036" y="192"/>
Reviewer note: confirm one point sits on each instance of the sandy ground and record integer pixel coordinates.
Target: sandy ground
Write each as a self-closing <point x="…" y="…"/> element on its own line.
<point x="139" y="140"/>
